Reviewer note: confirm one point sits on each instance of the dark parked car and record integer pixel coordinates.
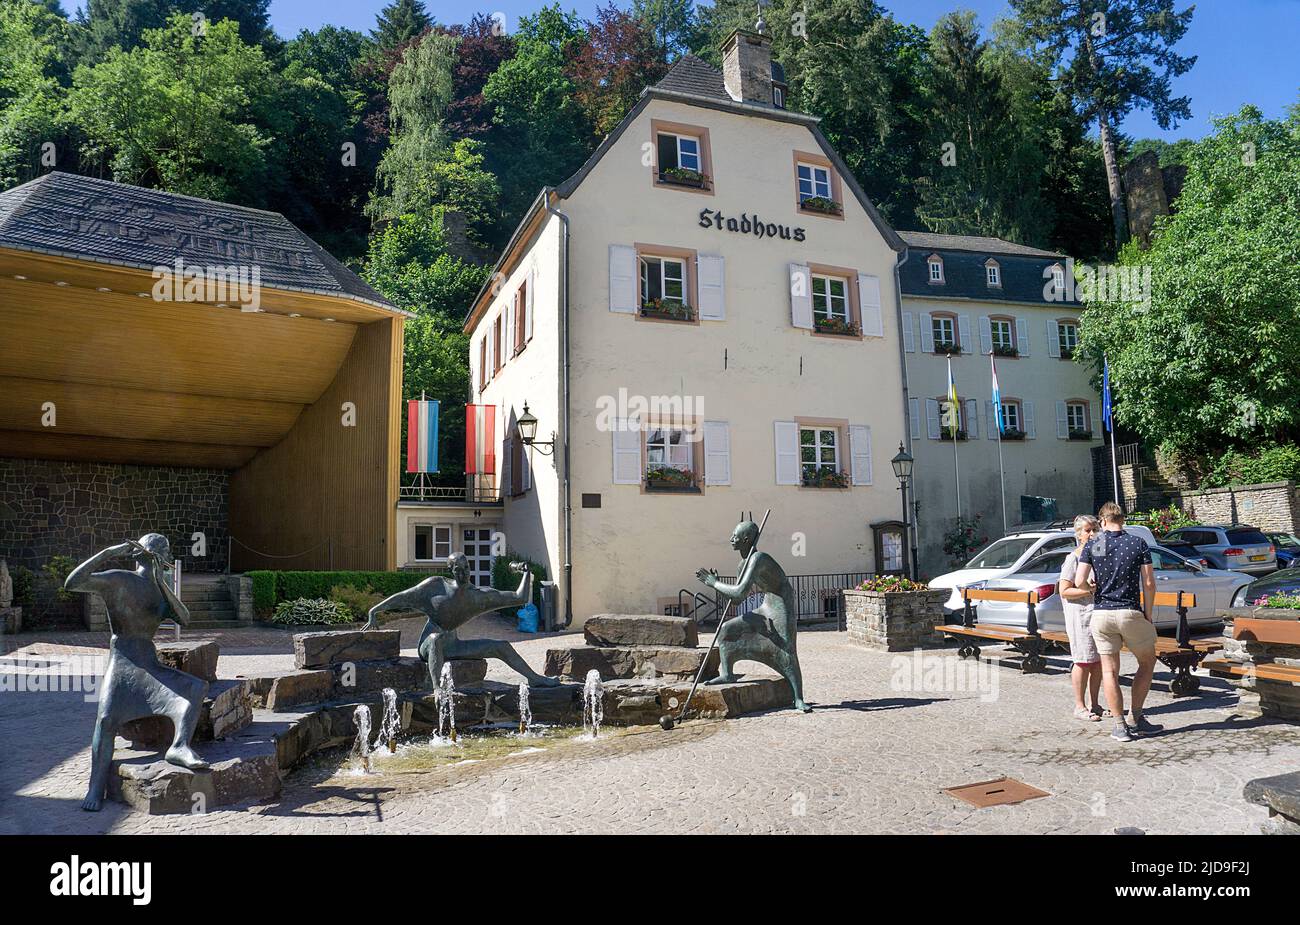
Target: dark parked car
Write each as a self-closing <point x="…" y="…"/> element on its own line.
<point x="1186" y="550"/>
<point x="1283" y="581"/>
<point x="1288" y="548"/>
<point x="1234" y="546"/>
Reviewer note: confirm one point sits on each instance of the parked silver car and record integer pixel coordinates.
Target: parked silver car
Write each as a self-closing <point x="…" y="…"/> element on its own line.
<point x="1234" y="546"/>
<point x="1214" y="590"/>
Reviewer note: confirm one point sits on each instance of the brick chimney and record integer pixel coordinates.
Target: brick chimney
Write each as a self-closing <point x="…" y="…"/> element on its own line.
<point x="747" y="67"/>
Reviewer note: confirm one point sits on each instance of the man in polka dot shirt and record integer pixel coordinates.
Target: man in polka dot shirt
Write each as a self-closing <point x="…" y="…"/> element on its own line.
<point x="1121" y="615"/>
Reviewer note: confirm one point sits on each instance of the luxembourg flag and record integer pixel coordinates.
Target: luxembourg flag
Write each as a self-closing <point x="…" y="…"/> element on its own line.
<point x="421" y="436"/>
<point x="997" y="399"/>
<point x="480" y="439"/>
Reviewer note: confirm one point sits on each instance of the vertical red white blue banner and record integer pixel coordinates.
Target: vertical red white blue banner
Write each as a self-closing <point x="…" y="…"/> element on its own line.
<point x="421" y="436"/>
<point x="480" y="439"/>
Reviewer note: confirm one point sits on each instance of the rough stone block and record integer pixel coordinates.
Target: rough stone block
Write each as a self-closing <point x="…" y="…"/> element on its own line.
<point x="648" y="629"/>
<point x="402" y="674"/>
<point x="243" y="770"/>
<point x="1280" y="793"/>
<point x="630" y="662"/>
<point x="321" y="650"/>
<point x="227" y="709"/>
<point x="11" y="620"/>
<point x="294" y="688"/>
<point x="191" y="657"/>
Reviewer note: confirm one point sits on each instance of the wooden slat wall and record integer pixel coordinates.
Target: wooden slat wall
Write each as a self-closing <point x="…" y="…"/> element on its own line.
<point x="325" y="482"/>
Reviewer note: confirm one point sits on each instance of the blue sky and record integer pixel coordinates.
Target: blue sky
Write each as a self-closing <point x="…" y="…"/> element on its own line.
<point x="1246" y="48"/>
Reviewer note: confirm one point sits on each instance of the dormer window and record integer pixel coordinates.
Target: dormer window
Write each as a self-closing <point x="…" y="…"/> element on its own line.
<point x="993" y="274"/>
<point x="681" y="155"/>
<point x="935" y="263"/>
<point x="1058" y="277"/>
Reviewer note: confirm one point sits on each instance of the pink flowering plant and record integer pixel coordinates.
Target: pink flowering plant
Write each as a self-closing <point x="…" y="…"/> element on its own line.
<point x="888" y="584"/>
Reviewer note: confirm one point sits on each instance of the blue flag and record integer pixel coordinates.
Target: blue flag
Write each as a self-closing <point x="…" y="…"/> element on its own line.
<point x="1105" y="394"/>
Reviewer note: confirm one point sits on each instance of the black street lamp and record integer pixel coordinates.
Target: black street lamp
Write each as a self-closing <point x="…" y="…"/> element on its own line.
<point x="902" y="464"/>
<point x="526" y="427"/>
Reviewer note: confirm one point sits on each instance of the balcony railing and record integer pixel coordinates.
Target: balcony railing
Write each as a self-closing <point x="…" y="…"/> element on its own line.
<point x="451" y="493"/>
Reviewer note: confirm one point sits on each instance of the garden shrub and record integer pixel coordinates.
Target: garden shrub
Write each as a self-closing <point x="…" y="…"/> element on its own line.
<point x="24" y="580"/>
<point x="1162" y="520"/>
<point x="312" y="611"/>
<point x="1278" y="463"/>
<point x="358" y="600"/>
<point x="503" y="579"/>
<point x="263" y="592"/>
<point x="886" y="584"/>
<point x="271" y="588"/>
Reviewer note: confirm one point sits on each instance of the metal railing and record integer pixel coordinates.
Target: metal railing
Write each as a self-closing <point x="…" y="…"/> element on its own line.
<point x="473" y="495"/>
<point x="1128" y="455"/>
<point x="817" y="597"/>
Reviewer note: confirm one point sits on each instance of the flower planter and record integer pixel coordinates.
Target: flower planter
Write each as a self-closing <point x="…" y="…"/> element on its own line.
<point x="682" y="314"/>
<point x="821" y="205"/>
<point x="683" y="483"/>
<point x="837" y="329"/>
<point x="671" y="488"/>
<point x="1013" y="435"/>
<point x="954" y="349"/>
<point x="946" y="434"/>
<point x="1005" y="352"/>
<point x="1080" y="435"/>
<point x="839" y="480"/>
<point x="894" y="621"/>
<point x="688" y="179"/>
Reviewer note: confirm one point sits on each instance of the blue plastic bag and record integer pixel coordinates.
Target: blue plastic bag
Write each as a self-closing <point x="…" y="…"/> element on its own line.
<point x="528" y="615"/>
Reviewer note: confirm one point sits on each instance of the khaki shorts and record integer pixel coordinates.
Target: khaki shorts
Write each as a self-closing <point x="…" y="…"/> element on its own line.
<point x="1112" y="629"/>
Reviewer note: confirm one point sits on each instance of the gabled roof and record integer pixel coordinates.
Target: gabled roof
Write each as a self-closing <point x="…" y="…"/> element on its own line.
<point x="696" y="76"/>
<point x="965" y="259"/>
<point x="85" y="218"/>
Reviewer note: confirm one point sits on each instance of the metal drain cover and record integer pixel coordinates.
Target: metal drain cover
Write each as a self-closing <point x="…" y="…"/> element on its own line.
<point x="998" y="792"/>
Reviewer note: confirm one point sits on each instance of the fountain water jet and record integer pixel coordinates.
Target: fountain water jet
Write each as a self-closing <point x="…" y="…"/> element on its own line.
<point x="593" y="703"/>
<point x="391" y="724"/>
<point x="447" y="702"/>
<point x="525" y="709"/>
<point x="361" y="747"/>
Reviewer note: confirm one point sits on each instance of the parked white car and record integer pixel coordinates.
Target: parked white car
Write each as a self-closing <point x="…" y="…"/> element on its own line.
<point x="1214" y="589"/>
<point x="1007" y="556"/>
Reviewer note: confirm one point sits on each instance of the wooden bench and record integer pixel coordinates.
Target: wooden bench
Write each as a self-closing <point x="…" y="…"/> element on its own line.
<point x="1268" y="632"/>
<point x="1181" y="655"/>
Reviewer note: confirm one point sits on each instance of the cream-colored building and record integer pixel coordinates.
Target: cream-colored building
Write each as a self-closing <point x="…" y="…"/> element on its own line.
<point x="970" y="297"/>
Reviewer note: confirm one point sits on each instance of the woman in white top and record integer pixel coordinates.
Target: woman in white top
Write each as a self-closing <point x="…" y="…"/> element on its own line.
<point x="1077" y="604"/>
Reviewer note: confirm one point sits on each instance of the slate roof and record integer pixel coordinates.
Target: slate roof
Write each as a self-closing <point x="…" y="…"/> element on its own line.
<point x="85" y="218"/>
<point x="964" y="258"/>
<point x="694" y="75"/>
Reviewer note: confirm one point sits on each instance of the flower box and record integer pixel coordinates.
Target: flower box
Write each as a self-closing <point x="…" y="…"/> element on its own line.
<point x="946" y="434"/>
<point x="671" y="479"/>
<point x="681" y="176"/>
<point x="836" y="327"/>
<point x="1067" y="353"/>
<point x="941" y="347"/>
<point x="826" y="478"/>
<point x="1080" y="435"/>
<point x="1012" y="433"/>
<point x="1005" y="350"/>
<point x="821" y="204"/>
<point x="667" y="310"/>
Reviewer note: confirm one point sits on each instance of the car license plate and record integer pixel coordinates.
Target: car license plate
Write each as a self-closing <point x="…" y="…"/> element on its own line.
<point x="1258" y="558"/>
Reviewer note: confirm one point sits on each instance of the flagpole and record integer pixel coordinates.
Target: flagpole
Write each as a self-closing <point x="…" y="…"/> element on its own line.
<point x="955" y="412"/>
<point x="997" y="424"/>
<point x="1108" y="420"/>
<point x="1114" y="468"/>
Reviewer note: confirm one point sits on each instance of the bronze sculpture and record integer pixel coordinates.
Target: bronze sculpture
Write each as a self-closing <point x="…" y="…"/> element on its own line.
<point x="135" y="684"/>
<point x="767" y="633"/>
<point x="450" y="603"/>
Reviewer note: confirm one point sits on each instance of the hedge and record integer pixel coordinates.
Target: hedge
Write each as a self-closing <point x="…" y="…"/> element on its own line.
<point x="272" y="588"/>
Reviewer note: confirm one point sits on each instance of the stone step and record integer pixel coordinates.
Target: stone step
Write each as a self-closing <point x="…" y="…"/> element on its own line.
<point x="641" y="629"/>
<point x="615" y="662"/>
<point x="322" y="649"/>
<point x="225" y="624"/>
<point x="204" y="593"/>
<point x="227" y="709"/>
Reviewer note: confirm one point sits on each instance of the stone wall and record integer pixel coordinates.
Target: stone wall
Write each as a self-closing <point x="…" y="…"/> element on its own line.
<point x="894" y="621"/>
<point x="1270" y="506"/>
<point x="50" y="508"/>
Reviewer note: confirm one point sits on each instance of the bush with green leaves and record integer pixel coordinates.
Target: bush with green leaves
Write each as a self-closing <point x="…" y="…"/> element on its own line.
<point x="57" y="569"/>
<point x="24" y="580"/>
<point x="890" y="584"/>
<point x="312" y="611"/>
<point x="271" y="588"/>
<point x="1162" y="520"/>
<point x="1278" y="463"/>
<point x="505" y="579"/>
<point x="964" y="538"/>
<point x="358" y="600"/>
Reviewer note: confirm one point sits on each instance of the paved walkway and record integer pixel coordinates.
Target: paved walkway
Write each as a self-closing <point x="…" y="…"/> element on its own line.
<point x="888" y="734"/>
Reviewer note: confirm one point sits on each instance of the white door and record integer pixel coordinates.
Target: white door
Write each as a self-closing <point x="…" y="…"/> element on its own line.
<point x="478" y="550"/>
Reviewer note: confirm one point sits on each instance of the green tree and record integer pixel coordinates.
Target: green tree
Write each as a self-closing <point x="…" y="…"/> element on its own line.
<point x="1110" y="56"/>
<point x="179" y="111"/>
<point x="400" y="22"/>
<point x="31" y="97"/>
<point x="121" y="24"/>
<point x="671" y="22"/>
<point x="1212" y="362"/>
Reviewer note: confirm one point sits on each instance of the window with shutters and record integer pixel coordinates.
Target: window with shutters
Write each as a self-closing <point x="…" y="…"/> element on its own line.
<point x="1013" y="420"/>
<point x="1003" y="331"/>
<point x="682" y="157"/>
<point x="817" y="185"/>
<point x="944" y="330"/>
<point x="498" y="354"/>
<point x="671" y="458"/>
<point x="1076" y="420"/>
<point x="666" y="284"/>
<point x="832" y="305"/>
<point x="1067" y="338"/>
<point x="521" y="318"/>
<point x="820" y="465"/>
<point x="952" y="420"/>
<point x="484" y="373"/>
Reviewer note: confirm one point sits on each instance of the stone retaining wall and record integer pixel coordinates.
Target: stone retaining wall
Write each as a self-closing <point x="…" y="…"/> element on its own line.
<point x="1269" y="506"/>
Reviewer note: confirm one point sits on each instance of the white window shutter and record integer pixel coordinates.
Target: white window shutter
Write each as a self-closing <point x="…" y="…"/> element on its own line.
<point x="1092" y="417"/>
<point x="1062" y="421"/>
<point x="1022" y="336"/>
<point x="712" y="287"/>
<point x="986" y="335"/>
<point x="927" y="332"/>
<point x="873" y="322"/>
<point x="801" y="309"/>
<point x="1031" y="429"/>
<point x="787" y="453"/>
<point x="909" y="334"/>
<point x="963" y="331"/>
<point x="624" y="284"/>
<point x="1053" y="339"/>
<point x="972" y="421"/>
<point x="473" y="367"/>
<point x="717" y="453"/>
<point x="991" y="419"/>
<point x="507" y="450"/>
<point x="492" y="350"/>
<point x="529" y="294"/>
<point x="860" y="454"/>
<point x="508" y="332"/>
<point x="914" y="415"/>
<point x="932" y="418"/>
<point x="627" y="451"/>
